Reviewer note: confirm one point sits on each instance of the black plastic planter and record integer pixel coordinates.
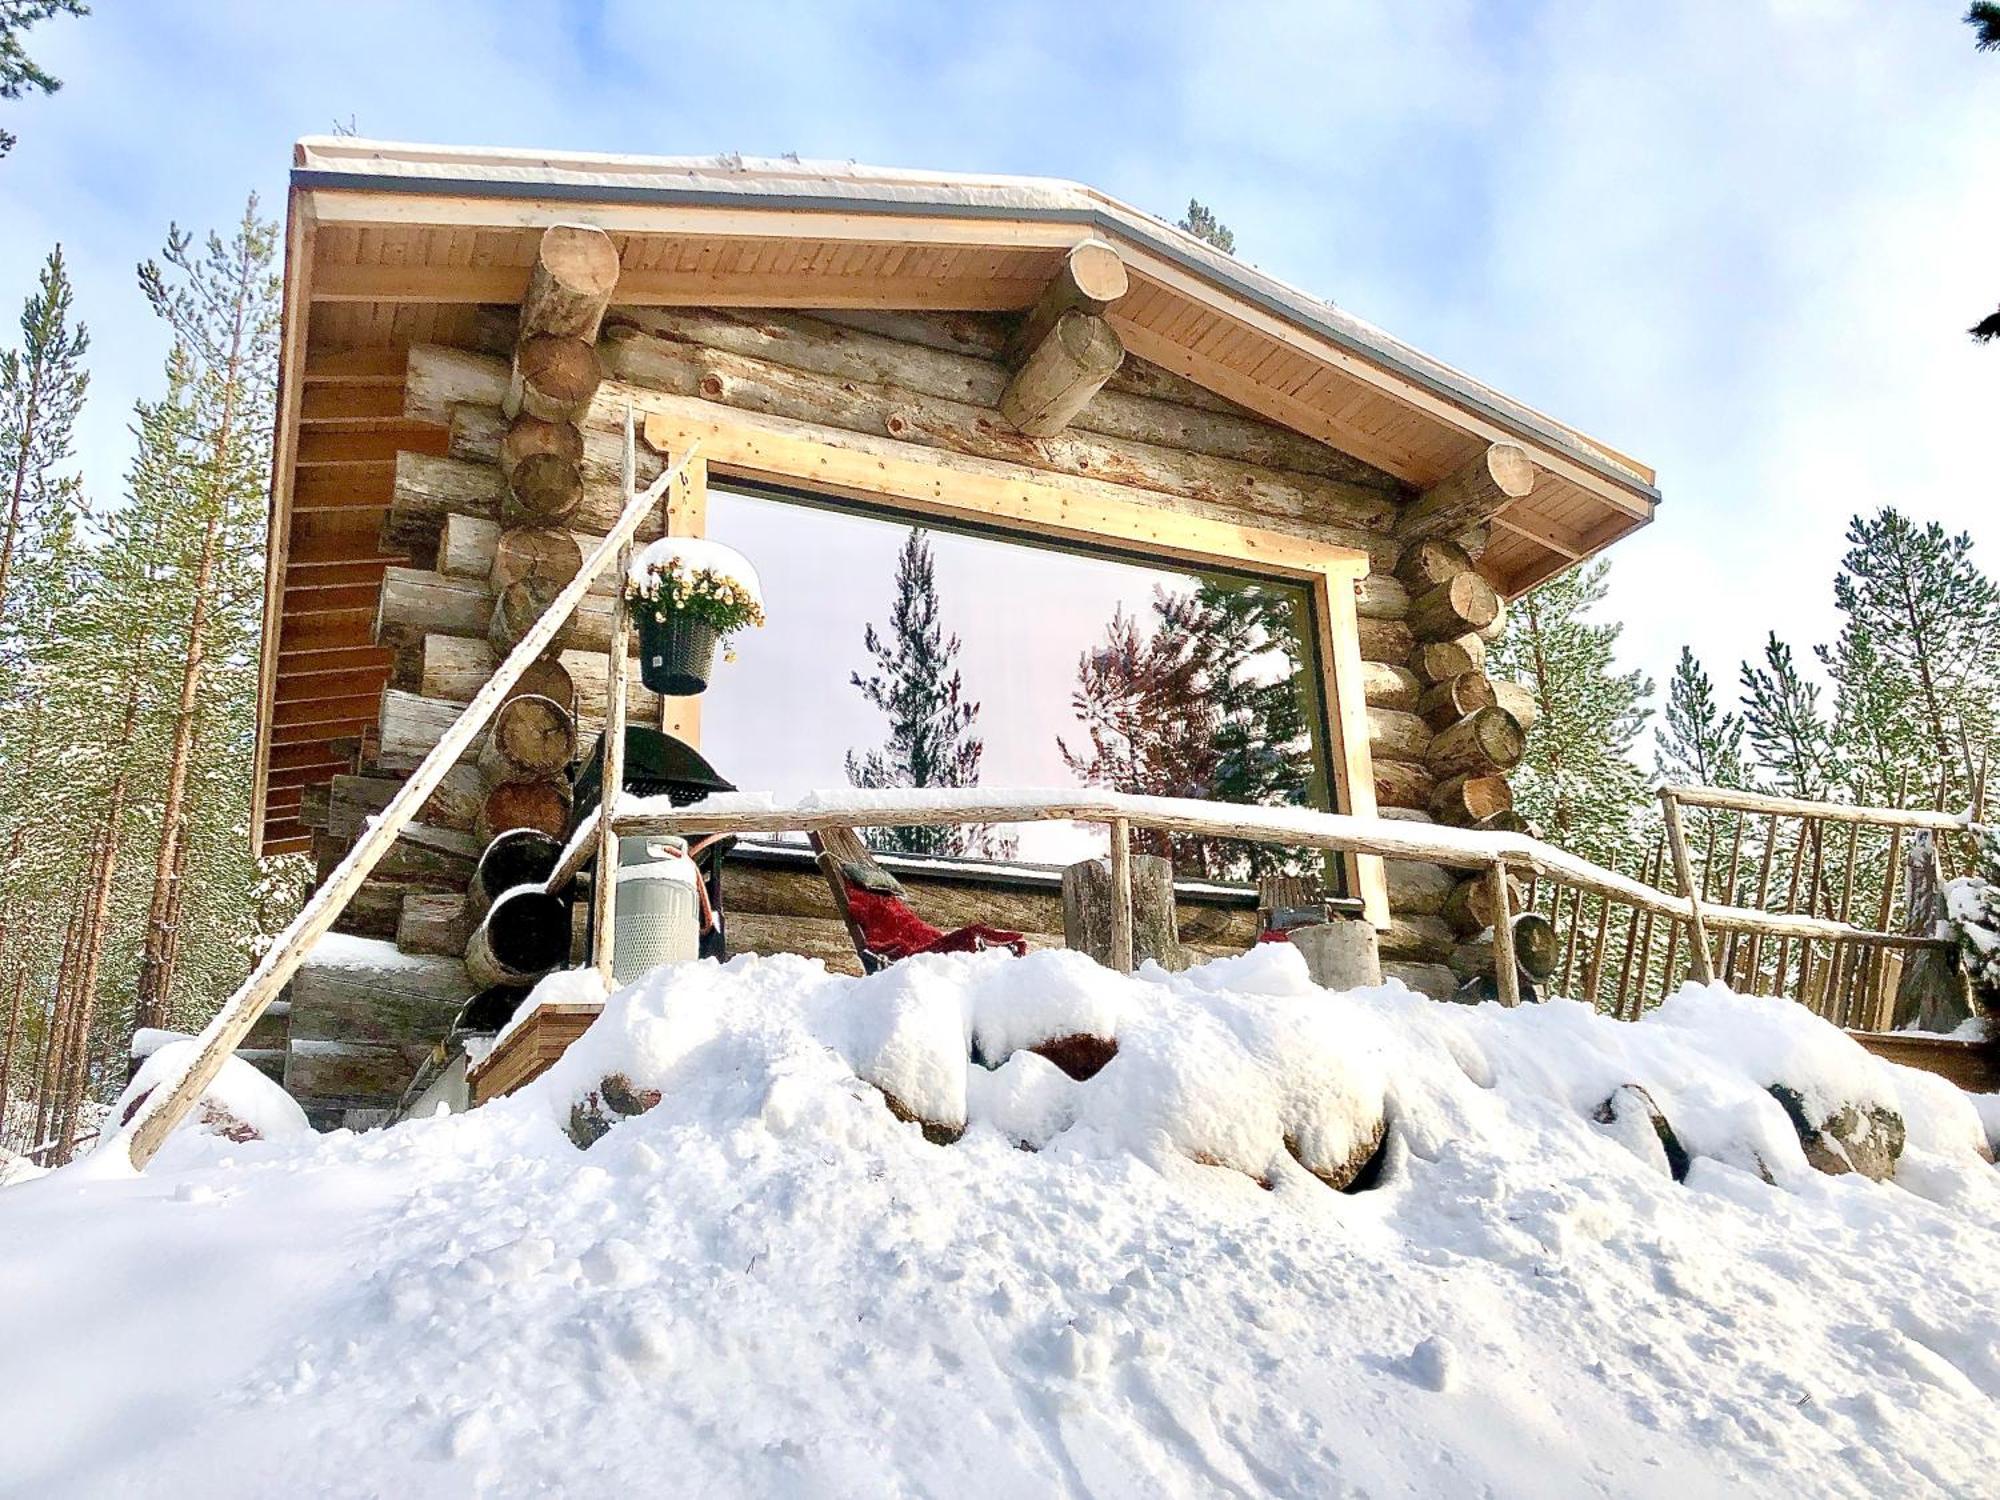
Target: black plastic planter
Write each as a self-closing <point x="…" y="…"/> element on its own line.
<point x="676" y="654"/>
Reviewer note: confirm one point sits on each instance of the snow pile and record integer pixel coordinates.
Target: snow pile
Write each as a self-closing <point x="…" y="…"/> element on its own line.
<point x="1972" y="907"/>
<point x="759" y="1280"/>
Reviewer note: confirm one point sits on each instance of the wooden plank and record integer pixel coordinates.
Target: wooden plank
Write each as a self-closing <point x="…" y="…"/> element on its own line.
<point x="1350" y="761"/>
<point x="808" y="287"/>
<point x="353" y="367"/>
<point x="327" y="446"/>
<point x="1825" y="812"/>
<point x="364" y="406"/>
<point x="525" y="1053"/>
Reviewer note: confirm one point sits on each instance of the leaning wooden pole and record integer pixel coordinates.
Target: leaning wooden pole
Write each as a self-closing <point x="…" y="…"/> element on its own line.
<point x="167" y="1105"/>
<point x="1704" y="970"/>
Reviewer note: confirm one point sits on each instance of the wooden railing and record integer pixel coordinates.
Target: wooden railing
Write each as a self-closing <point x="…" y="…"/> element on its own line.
<point x="169" y="1103"/>
<point x="1833" y="873"/>
<point x="1589" y="893"/>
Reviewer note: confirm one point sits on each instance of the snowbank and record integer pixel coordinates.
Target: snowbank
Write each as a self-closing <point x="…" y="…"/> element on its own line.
<point x="759" y="1280"/>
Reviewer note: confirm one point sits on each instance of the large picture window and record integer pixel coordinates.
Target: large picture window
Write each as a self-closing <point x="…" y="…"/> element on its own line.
<point x="929" y="656"/>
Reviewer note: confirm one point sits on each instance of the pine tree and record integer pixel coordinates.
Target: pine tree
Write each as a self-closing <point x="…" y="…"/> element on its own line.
<point x="42" y="386"/>
<point x="212" y="437"/>
<point x="1917" y="664"/>
<point x="19" y="73"/>
<point x="1789" y="737"/>
<point x="916" y="682"/>
<point x="1579" y="783"/>
<point x="1698" y="744"/>
<point x="1201" y="222"/>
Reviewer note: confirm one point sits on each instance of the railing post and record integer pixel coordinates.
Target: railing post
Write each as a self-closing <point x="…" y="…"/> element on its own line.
<point x="1506" y="968"/>
<point x="1704" y="969"/>
<point x="1121" y="896"/>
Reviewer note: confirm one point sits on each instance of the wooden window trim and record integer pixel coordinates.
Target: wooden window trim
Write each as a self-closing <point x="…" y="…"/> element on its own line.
<point x="1042" y="507"/>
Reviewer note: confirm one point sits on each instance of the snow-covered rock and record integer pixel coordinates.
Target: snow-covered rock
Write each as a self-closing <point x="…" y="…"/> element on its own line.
<point x="241" y="1105"/>
<point x="766" y="1283"/>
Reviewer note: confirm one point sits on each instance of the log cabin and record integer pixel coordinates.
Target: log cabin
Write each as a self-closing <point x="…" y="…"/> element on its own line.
<point x="1017" y="359"/>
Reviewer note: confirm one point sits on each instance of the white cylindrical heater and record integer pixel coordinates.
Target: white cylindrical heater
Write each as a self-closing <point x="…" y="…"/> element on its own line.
<point x="657" y="913"/>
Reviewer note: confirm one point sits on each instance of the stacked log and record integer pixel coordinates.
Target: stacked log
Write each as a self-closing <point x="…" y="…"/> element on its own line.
<point x="1477" y="733"/>
<point x="494" y="531"/>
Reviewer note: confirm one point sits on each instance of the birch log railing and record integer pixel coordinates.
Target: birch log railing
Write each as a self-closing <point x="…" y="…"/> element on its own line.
<point x="1501" y="857"/>
<point x="167" y="1104"/>
<point x="1776" y="895"/>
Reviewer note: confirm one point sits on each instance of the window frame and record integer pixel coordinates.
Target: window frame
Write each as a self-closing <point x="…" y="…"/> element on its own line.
<point x="902" y="482"/>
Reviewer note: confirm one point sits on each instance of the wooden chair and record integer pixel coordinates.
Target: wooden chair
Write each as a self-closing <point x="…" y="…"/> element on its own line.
<point x="875" y="909"/>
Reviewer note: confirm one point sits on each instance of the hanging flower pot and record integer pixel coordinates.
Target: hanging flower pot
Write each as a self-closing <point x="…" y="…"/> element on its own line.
<point x="676" y="653"/>
<point x="687" y="595"/>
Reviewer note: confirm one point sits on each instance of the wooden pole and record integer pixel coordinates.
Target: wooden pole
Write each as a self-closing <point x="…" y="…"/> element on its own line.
<point x="1683" y="872"/>
<point x="604" y="885"/>
<point x="168" y="1104"/>
<point x="1506" y="970"/>
<point x="1121" y="895"/>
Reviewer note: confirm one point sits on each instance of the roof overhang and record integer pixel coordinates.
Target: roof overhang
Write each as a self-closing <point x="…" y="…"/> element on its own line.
<point x="393" y="245"/>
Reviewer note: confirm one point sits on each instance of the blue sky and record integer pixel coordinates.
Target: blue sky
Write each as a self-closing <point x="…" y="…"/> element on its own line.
<point x="1738" y="240"/>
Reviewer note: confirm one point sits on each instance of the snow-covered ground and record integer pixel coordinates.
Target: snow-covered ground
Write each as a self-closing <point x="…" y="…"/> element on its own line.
<point x="768" y="1284"/>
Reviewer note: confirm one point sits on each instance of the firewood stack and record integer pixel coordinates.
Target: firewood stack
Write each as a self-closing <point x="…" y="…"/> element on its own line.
<point x="494" y="531"/>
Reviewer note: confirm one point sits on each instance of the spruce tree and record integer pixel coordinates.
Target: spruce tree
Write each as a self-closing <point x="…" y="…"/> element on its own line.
<point x="1579" y="783"/>
<point x="19" y="73"/>
<point x="1790" y="740"/>
<point x="1201" y="222"/>
<point x="916" y="682"/>
<point x="1204" y="704"/>
<point x="1697" y="744"/>
<point x="1917" y="663"/>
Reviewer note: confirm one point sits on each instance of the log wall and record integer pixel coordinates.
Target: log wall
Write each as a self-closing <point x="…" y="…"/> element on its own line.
<point x="531" y="479"/>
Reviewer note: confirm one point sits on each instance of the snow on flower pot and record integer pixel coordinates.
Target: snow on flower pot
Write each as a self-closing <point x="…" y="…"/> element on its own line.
<point x="688" y="594"/>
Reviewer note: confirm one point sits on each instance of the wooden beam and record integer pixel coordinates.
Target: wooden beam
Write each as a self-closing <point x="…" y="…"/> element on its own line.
<point x="1497" y="476"/>
<point x="344" y="487"/>
<point x="1535" y="529"/>
<point x="1091" y="278"/>
<point x="335" y="630"/>
<point x="1037" y="506"/>
<point x="1061" y="373"/>
<point x="327" y="686"/>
